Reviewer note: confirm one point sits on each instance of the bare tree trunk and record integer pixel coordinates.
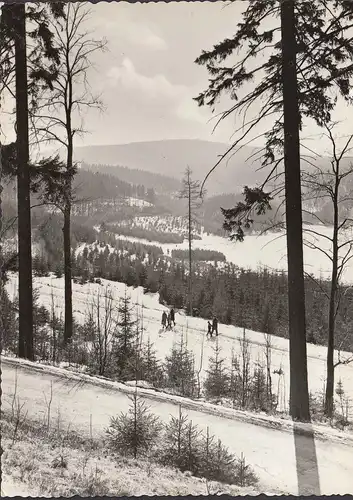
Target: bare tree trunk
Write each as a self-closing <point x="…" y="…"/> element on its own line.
<point x="190" y="253"/>
<point x="299" y="396"/>
<point x="68" y="274"/>
<point x="268" y="353"/>
<point x="332" y="308"/>
<point x="25" y="348"/>
<point x="68" y="325"/>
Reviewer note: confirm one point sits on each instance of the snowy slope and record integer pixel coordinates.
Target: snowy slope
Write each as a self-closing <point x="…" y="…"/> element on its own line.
<point x="193" y="330"/>
<point x="282" y="460"/>
<point x="12" y="488"/>
<point x="267" y="250"/>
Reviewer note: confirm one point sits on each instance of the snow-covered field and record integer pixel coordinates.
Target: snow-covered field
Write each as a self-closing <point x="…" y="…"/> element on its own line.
<point x="193" y="330"/>
<point x="86" y="406"/>
<point x="267" y="250"/>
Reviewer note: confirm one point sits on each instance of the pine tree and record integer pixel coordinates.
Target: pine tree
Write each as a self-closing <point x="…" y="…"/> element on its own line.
<point x="217" y="463"/>
<point x="193" y="452"/>
<point x="207" y="456"/>
<point x="235" y="381"/>
<point x="217" y="380"/>
<point x="244" y="475"/>
<point x="191" y="191"/>
<point x="258" y="390"/>
<point x="135" y="433"/>
<point x="174" y="440"/>
<point x="18" y="15"/>
<point x="223" y="463"/>
<point x="180" y="368"/>
<point x="181" y="445"/>
<point x="244" y="370"/>
<point x="310" y="58"/>
<point x="34" y="69"/>
<point x="151" y="368"/>
<point x="124" y="345"/>
<point x="57" y="117"/>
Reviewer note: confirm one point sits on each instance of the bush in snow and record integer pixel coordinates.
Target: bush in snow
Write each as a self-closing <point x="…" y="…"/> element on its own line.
<point x="181" y="444"/>
<point x="41" y="333"/>
<point x="40" y="266"/>
<point x="240" y="380"/>
<point x="217" y="381"/>
<point x="218" y="464"/>
<point x="344" y="405"/>
<point x="258" y="389"/>
<point x="244" y="475"/>
<point x="124" y="342"/>
<point x="136" y="432"/>
<point x="342" y="408"/>
<point x="150" y="368"/>
<point x="180" y="368"/>
<point x="189" y="449"/>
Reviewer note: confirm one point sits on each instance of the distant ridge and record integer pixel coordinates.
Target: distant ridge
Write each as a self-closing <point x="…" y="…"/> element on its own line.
<point x="171" y="157"/>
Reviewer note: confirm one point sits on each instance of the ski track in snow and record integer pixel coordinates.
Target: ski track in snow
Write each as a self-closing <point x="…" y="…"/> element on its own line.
<point x="194" y="332"/>
<point x="274" y="454"/>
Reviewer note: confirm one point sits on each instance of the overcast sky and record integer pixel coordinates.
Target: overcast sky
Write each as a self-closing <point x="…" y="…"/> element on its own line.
<point x="148" y="77"/>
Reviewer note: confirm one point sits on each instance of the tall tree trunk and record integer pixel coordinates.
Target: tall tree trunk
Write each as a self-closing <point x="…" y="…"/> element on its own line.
<point x="2" y="284"/>
<point x="68" y="325"/>
<point x="330" y="369"/>
<point x="190" y="251"/>
<point x="25" y="347"/>
<point x="299" y="395"/>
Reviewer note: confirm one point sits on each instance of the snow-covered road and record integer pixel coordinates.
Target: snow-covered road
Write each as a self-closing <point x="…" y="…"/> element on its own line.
<point x="284" y="461"/>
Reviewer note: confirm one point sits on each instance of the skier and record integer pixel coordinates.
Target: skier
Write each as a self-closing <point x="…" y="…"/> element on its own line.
<point x="215" y="326"/>
<point x="164" y="320"/>
<point x="169" y="327"/>
<point x="172" y="316"/>
<point x="209" y="329"/>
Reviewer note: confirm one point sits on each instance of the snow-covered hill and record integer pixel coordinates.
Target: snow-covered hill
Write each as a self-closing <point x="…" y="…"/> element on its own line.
<point x="268" y="250"/>
<point x="193" y="330"/>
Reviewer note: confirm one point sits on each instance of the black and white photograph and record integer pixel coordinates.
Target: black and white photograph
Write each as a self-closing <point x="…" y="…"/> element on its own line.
<point x="176" y="248"/>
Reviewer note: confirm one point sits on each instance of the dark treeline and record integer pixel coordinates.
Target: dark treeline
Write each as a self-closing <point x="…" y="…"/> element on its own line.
<point x="102" y="185"/>
<point x="159" y="182"/>
<point x="147" y="234"/>
<point x="199" y="254"/>
<point x="90" y="185"/>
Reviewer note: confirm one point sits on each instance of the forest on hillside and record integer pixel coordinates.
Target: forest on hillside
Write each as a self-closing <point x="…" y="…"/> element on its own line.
<point x="256" y="299"/>
<point x="160" y="183"/>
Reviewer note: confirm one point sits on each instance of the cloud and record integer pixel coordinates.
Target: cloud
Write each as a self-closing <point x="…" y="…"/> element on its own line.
<point x="136" y="33"/>
<point x="179" y="98"/>
<point x="156" y="86"/>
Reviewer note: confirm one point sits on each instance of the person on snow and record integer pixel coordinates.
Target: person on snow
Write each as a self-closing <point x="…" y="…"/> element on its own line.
<point x="215" y="326"/>
<point x="169" y="322"/>
<point x="209" y="329"/>
<point x="172" y="316"/>
<point x="164" y="320"/>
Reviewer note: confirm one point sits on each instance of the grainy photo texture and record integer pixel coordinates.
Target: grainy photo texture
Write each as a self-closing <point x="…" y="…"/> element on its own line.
<point x="176" y="285"/>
